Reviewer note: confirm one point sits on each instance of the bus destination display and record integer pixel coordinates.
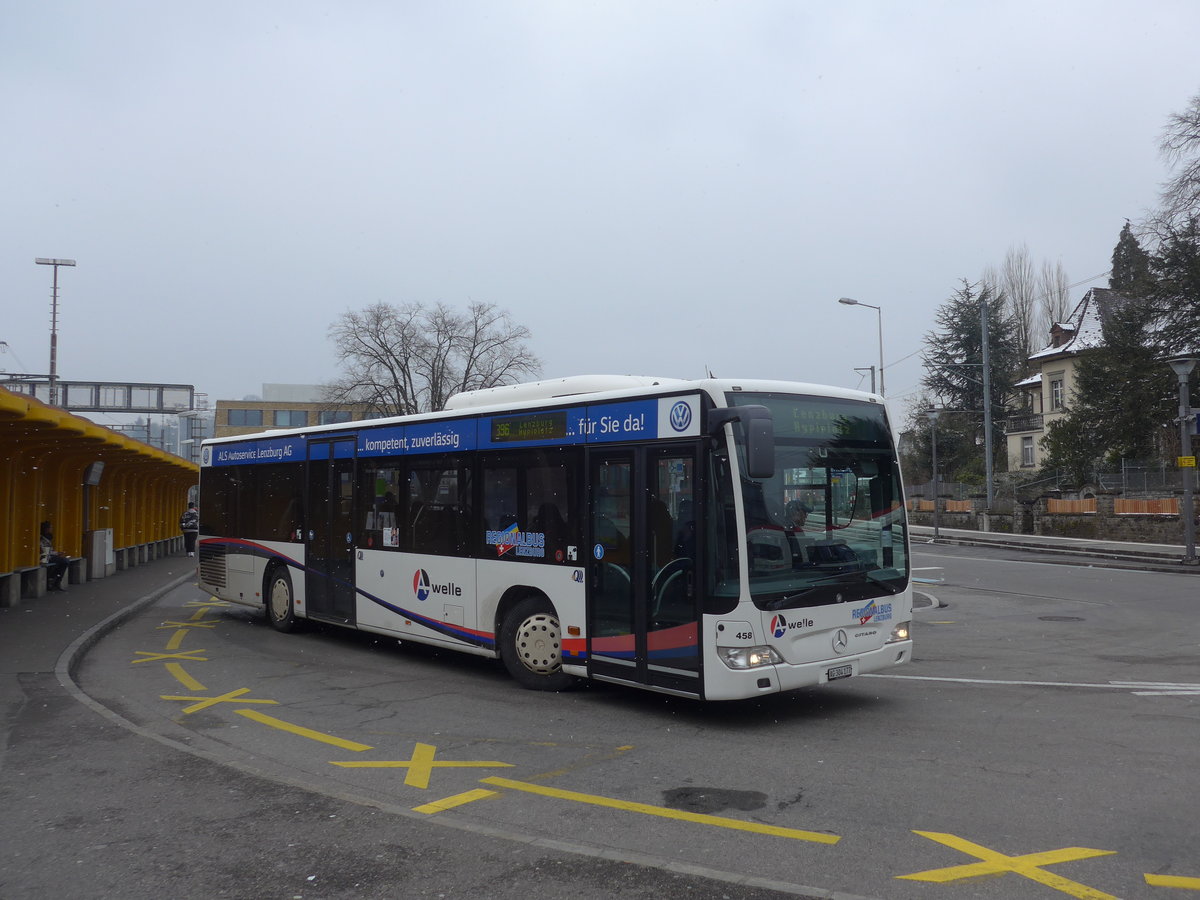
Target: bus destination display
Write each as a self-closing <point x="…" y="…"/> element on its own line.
<point x="534" y="427"/>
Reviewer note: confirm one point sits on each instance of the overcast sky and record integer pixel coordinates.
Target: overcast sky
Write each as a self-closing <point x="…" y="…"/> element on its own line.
<point x="651" y="187"/>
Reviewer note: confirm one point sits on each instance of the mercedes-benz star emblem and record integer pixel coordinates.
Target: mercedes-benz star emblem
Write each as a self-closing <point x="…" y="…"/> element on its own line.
<point x="840" y="640"/>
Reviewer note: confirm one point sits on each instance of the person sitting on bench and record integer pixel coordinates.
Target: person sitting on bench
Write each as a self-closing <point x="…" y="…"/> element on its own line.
<point x="55" y="562"/>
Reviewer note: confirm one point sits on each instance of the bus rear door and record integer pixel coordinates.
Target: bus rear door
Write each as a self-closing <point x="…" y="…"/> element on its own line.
<point x="329" y="557"/>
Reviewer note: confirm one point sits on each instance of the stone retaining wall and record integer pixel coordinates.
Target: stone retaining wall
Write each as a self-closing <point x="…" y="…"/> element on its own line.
<point x="1033" y="518"/>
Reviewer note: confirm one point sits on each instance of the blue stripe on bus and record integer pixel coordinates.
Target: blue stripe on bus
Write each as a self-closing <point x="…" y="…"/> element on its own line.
<point x="466" y="635"/>
<point x="622" y="420"/>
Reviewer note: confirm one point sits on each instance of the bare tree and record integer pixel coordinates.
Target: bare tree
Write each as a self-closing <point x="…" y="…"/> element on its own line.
<point x="1015" y="285"/>
<point x="412" y="358"/>
<point x="1180" y="146"/>
<point x="1054" y="293"/>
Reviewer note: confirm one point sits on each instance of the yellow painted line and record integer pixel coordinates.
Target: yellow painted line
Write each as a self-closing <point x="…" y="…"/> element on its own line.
<point x="450" y="802"/>
<point x="1027" y="865"/>
<point x="177" y="639"/>
<point x="211" y="603"/>
<point x="1174" y="881"/>
<point x="184" y="678"/>
<point x="663" y="812"/>
<point x="205" y="702"/>
<point x="421" y="765"/>
<point x="199" y="614"/>
<point x="264" y="719"/>
<point x="189" y="655"/>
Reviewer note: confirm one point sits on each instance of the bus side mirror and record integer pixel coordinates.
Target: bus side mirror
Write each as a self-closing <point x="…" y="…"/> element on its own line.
<point x="760" y="435"/>
<point x="760" y="447"/>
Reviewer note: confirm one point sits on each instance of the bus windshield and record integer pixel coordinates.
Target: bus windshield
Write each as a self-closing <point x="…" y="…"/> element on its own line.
<point x="828" y="526"/>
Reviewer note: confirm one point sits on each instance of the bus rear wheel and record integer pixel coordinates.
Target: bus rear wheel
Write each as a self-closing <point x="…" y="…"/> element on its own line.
<point x="281" y="610"/>
<point x="531" y="646"/>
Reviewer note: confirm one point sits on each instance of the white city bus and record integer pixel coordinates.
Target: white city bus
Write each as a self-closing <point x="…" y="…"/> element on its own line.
<point x="644" y="531"/>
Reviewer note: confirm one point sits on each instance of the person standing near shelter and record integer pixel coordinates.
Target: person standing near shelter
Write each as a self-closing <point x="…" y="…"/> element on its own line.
<point x="189" y="524"/>
<point x="55" y="562"/>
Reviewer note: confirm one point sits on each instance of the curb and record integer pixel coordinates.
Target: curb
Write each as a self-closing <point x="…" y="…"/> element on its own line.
<point x="1098" y="558"/>
<point x="68" y="660"/>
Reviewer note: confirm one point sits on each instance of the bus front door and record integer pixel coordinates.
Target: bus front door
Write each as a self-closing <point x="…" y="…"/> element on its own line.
<point x="329" y="557"/>
<point x="643" y="619"/>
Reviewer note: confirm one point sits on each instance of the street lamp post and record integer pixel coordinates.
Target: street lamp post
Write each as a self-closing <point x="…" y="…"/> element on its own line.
<point x="54" y="323"/>
<point x="933" y="417"/>
<point x="850" y="301"/>
<point x="987" y="401"/>
<point x="1182" y="366"/>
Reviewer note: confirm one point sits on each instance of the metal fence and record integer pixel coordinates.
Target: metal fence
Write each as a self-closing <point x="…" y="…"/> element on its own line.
<point x="1137" y="477"/>
<point x="1134" y="478"/>
<point x="955" y="490"/>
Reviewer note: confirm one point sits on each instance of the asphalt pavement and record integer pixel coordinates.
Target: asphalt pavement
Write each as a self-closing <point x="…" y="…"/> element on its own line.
<point x="89" y="808"/>
<point x="92" y="808"/>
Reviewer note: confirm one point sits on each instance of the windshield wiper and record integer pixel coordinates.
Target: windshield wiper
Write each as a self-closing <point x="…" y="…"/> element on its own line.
<point x="840" y="578"/>
<point x="812" y="586"/>
<point x="883" y="582"/>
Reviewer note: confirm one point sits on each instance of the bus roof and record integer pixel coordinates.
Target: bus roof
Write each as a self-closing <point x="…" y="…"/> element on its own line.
<point x="553" y="388"/>
<point x="540" y="393"/>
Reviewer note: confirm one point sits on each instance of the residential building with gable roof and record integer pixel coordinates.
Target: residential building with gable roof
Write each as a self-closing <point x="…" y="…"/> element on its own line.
<point x="1051" y="385"/>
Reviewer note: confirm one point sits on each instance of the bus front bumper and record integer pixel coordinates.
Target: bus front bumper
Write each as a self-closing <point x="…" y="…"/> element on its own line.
<point x="732" y="684"/>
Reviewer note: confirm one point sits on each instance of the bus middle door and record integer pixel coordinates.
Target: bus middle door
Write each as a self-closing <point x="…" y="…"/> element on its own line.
<point x="329" y="558"/>
<point x="643" y="618"/>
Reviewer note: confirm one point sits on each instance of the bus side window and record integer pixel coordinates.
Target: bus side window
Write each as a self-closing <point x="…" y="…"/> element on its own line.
<point x="440" y="514"/>
<point x="499" y="503"/>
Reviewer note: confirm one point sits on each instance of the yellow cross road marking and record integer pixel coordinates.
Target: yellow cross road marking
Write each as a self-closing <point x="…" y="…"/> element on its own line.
<point x="450" y="802"/>
<point x="421" y="765"/>
<point x="184" y="678"/>
<point x="1027" y="865"/>
<point x="264" y="719"/>
<point x="207" y="604"/>
<point x="663" y="812"/>
<point x="206" y="702"/>
<point x="188" y="624"/>
<point x="159" y="657"/>
<point x="1174" y="881"/>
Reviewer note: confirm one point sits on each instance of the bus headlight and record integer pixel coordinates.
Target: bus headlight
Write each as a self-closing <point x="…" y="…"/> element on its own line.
<point x="747" y="657"/>
<point x="900" y="632"/>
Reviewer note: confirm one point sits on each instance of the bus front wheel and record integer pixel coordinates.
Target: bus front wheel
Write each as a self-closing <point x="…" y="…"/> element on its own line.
<point x="281" y="611"/>
<point x="531" y="646"/>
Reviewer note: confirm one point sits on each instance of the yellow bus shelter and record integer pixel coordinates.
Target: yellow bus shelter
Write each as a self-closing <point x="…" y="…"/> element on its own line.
<point x="112" y="501"/>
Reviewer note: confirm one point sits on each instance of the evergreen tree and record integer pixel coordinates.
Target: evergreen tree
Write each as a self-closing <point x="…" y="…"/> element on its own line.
<point x="1123" y="388"/>
<point x="1123" y="394"/>
<point x="1071" y="444"/>
<point x="1130" y="266"/>
<point x="1176" y="292"/>
<point x="954" y="378"/>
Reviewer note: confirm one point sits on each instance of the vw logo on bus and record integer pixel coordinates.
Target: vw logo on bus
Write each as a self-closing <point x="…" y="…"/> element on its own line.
<point x="681" y="416"/>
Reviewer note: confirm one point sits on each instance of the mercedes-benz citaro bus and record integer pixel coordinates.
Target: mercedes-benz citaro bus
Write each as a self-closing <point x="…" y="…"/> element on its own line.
<point x="717" y="539"/>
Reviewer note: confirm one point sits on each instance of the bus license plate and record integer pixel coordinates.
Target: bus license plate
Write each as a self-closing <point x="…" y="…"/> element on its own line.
<point x="839" y="672"/>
